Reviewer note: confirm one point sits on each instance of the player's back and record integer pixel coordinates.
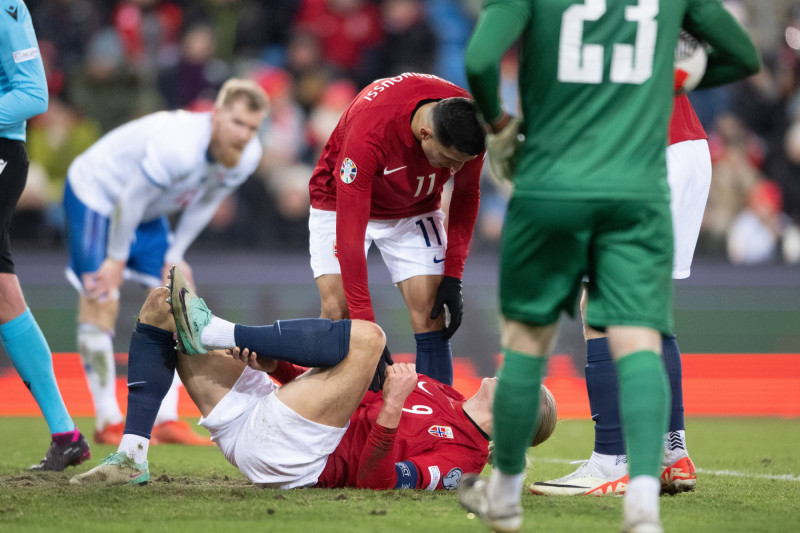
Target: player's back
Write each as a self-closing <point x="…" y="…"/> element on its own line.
<point x="596" y="90"/>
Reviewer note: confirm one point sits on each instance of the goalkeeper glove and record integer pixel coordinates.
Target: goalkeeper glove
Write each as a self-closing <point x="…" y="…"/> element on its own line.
<point x="449" y="294"/>
<point x="503" y="148"/>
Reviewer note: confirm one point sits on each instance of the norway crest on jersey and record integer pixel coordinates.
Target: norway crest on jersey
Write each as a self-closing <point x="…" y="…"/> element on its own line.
<point x="348" y="170"/>
<point x="444" y="432"/>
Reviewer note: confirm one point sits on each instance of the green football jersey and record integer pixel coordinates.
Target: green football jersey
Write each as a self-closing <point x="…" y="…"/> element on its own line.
<point x="596" y="86"/>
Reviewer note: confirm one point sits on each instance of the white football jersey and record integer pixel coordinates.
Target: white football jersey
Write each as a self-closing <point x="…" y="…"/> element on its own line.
<point x="168" y="148"/>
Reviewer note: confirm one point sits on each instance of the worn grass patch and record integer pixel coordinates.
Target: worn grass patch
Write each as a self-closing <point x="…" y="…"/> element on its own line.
<point x="749" y="482"/>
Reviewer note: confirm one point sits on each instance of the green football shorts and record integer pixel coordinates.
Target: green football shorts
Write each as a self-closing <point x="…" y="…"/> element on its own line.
<point x="624" y="247"/>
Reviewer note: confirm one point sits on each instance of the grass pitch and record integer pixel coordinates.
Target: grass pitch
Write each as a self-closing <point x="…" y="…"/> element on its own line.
<point x="749" y="481"/>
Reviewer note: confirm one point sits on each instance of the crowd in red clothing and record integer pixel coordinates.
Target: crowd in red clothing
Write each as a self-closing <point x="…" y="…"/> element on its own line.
<point x="109" y="62"/>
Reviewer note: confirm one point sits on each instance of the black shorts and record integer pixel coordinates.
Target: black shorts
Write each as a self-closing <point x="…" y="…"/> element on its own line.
<point x="13" y="175"/>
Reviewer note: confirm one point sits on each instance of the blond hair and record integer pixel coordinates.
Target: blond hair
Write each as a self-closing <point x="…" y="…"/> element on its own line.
<point x="548" y="416"/>
<point x="250" y="92"/>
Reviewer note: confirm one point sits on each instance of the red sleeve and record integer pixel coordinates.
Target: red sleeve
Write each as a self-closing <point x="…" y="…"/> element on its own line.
<point x="376" y="466"/>
<point x="357" y="164"/>
<point x="463" y="215"/>
<point x="444" y="467"/>
<point x="286" y="372"/>
<point x="684" y="124"/>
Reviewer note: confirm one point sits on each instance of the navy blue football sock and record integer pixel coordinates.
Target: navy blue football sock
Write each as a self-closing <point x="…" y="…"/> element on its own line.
<point x="672" y="362"/>
<point x="603" y="389"/>
<point x="151" y="368"/>
<point x="434" y="356"/>
<point x="305" y="342"/>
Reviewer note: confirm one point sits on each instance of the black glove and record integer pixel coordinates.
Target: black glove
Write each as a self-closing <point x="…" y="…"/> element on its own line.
<point x="380" y="372"/>
<point x="449" y="294"/>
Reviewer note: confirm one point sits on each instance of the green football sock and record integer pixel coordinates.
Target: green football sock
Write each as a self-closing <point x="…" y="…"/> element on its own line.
<point x="644" y="399"/>
<point x="516" y="409"/>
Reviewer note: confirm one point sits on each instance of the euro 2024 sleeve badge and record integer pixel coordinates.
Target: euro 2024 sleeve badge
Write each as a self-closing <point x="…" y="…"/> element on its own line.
<point x="348" y="171"/>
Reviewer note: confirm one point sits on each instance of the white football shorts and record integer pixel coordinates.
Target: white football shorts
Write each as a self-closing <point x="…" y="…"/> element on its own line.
<point x="413" y="246"/>
<point x="689" y="177"/>
<point x="268" y="442"/>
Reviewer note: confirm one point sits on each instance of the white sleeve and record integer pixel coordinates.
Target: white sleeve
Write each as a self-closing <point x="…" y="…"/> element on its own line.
<point x="192" y="221"/>
<point x="136" y="196"/>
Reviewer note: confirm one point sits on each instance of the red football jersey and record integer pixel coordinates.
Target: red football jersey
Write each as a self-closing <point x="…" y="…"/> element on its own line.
<point x="435" y="444"/>
<point x="684" y="124"/>
<point x="373" y="168"/>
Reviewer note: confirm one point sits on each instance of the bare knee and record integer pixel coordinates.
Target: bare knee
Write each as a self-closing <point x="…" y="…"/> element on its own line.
<point x="100" y="313"/>
<point x="156" y="311"/>
<point x="367" y="341"/>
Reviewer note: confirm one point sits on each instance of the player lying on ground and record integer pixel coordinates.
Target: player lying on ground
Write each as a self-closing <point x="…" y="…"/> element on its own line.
<point x="319" y="428"/>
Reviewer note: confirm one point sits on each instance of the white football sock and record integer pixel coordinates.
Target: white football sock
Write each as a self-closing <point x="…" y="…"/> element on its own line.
<point x="134" y="447"/>
<point x="505" y="489"/>
<point x="218" y="333"/>
<point x="674" y="446"/>
<point x="609" y="467"/>
<point x="97" y="354"/>
<point x="641" y="500"/>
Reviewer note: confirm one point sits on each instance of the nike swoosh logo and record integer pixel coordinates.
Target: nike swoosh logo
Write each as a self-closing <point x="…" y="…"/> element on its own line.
<point x="421" y="385"/>
<point x="182" y="296"/>
<point x="594" y="417"/>
<point x="135" y="475"/>
<point x="386" y="170"/>
<point x="136" y="383"/>
<point x="437" y="260"/>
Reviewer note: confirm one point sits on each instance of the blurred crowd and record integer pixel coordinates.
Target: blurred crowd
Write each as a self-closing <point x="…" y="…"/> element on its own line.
<point x="109" y="62"/>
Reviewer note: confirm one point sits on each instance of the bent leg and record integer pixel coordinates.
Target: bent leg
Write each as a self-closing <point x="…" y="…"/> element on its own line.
<point x="208" y="377"/>
<point x="330" y="396"/>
